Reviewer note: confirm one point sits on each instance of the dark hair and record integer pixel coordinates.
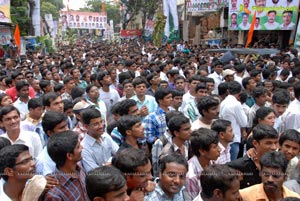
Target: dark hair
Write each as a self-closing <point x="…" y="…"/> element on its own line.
<point x="89" y="114"/>
<point x="202" y="138"/>
<point x="77" y="92"/>
<point x="290" y="134"/>
<point x="206" y="102"/>
<point x="129" y="159"/>
<point x="234" y="87"/>
<point x="44" y="83"/>
<point x="103" y="180"/>
<point x="125" y="105"/>
<point x="49" y="97"/>
<point x="217" y="177"/>
<point x="172" y="158"/>
<point x="8" y="156"/>
<point x="263" y="132"/>
<point x="126" y="123"/>
<point x="297" y="89"/>
<point x="51" y="119"/>
<point x="220" y="125"/>
<point x="223" y="88"/>
<point x="57" y="87"/>
<point x="4" y="142"/>
<point x="201" y="85"/>
<point x="67" y="104"/>
<point x="274" y="159"/>
<point x="139" y="80"/>
<point x="281" y="96"/>
<point x="67" y="80"/>
<point x="60" y="145"/>
<point x="161" y="93"/>
<point x="21" y="84"/>
<point x="261" y="113"/>
<point x="175" y="123"/>
<point x="7" y="109"/>
<point x="259" y="91"/>
<point x="34" y="103"/>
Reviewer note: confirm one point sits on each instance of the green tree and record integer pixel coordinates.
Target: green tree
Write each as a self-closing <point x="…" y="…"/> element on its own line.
<point x="49" y="8"/>
<point x="59" y="4"/>
<point x="20" y="15"/>
<point x="112" y="10"/>
<point x="149" y="10"/>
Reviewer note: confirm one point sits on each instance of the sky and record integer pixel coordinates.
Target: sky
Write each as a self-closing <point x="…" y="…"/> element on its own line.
<point x="75" y="4"/>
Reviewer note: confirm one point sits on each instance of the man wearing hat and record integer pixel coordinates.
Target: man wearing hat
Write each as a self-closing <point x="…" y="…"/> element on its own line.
<point x="78" y="109"/>
<point x="228" y="75"/>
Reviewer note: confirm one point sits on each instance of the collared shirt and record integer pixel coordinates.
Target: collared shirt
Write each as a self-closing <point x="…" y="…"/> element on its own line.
<point x="271" y="26"/>
<point x="30" y="124"/>
<point x="44" y="164"/>
<point x="149" y="101"/>
<point x="163" y="76"/>
<point x="231" y="110"/>
<point x="218" y="79"/>
<point x="22" y="107"/>
<point x="66" y="96"/>
<point x="157" y="151"/>
<point x="193" y="177"/>
<point x="3" y="196"/>
<point x="224" y="154"/>
<point x="257" y="192"/>
<point x="155" y="124"/>
<point x="249" y="170"/>
<point x="117" y="136"/>
<point x="251" y="115"/>
<point x="80" y="130"/>
<point x="159" y="195"/>
<point x="101" y="107"/>
<point x="94" y="153"/>
<point x="70" y="187"/>
<point x="186" y="99"/>
<point x="30" y="139"/>
<point x="191" y="111"/>
<point x="291" y="118"/>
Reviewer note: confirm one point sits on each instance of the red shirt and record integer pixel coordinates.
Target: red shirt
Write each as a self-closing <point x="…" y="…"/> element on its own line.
<point x="12" y="92"/>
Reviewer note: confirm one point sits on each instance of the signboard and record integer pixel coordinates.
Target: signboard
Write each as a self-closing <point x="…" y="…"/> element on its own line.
<point x="5" y="35"/>
<point x="82" y="20"/>
<point x="297" y="38"/>
<point x="270" y="14"/>
<point x="130" y="33"/>
<point x="5" y="11"/>
<point x="204" y="5"/>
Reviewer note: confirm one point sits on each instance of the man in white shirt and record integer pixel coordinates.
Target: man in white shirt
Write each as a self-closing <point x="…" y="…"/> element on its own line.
<point x="271" y="24"/>
<point x="217" y="75"/>
<point x="10" y="118"/>
<point x="231" y="110"/>
<point x="291" y="119"/>
<point x="245" y="25"/>
<point x="21" y="103"/>
<point x="287" y="17"/>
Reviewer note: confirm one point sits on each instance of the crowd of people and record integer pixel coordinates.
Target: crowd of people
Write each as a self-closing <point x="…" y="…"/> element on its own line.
<point x="130" y="121"/>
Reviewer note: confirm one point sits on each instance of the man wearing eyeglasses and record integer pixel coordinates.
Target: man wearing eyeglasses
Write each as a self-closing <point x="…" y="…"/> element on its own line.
<point x="16" y="167"/>
<point x="98" y="146"/>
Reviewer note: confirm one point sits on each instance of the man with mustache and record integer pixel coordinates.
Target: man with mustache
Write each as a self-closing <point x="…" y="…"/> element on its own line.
<point x="273" y="167"/>
<point x="170" y="184"/>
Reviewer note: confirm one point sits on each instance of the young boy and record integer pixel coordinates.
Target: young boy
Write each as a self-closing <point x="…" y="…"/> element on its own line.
<point x="180" y="128"/>
<point x="205" y="149"/>
<point x="224" y="130"/>
<point x="131" y="129"/>
<point x="209" y="108"/>
<point x="289" y="144"/>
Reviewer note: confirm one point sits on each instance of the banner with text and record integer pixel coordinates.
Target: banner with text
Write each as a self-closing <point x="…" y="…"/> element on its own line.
<point x="82" y="20"/>
<point x="204" y="5"/>
<point x="270" y="14"/>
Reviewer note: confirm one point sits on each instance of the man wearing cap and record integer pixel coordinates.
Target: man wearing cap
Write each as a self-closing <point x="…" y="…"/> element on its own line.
<point x="78" y="109"/>
<point x="228" y="75"/>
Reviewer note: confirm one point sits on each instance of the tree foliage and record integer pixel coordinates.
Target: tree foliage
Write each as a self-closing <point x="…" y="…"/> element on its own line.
<point x="57" y="3"/>
<point x="49" y="8"/>
<point x="20" y="15"/>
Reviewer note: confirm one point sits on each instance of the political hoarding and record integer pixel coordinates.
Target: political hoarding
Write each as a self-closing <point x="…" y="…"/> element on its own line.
<point x="270" y="14"/>
<point x="204" y="5"/>
<point x="297" y="38"/>
<point x="5" y="35"/>
<point x="5" y="11"/>
<point x="83" y="20"/>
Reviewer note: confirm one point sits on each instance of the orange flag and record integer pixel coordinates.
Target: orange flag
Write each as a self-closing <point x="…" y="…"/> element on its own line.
<point x="17" y="37"/>
<point x="251" y="30"/>
<point x="103" y="7"/>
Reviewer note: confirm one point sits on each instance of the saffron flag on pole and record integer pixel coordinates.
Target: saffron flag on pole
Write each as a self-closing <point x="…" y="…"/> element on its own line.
<point x="251" y="30"/>
<point x="103" y="7"/>
<point x="17" y="37"/>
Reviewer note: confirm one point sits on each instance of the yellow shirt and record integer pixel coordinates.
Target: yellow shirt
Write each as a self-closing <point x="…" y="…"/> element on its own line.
<point x="256" y="192"/>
